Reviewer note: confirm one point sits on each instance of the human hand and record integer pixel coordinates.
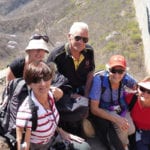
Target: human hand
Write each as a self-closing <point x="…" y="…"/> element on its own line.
<point x="75" y="95"/>
<point x="122" y="123"/>
<point x="76" y="138"/>
<point x="57" y="92"/>
<point x="69" y="137"/>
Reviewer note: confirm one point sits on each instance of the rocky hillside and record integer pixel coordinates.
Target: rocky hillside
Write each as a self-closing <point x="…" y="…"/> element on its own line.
<point x="112" y="23"/>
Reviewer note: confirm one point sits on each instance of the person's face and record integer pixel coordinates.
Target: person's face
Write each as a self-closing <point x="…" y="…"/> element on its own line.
<point x="116" y="74"/>
<point x="78" y="40"/>
<point x="36" y="55"/>
<point x="41" y="87"/>
<point x="144" y="96"/>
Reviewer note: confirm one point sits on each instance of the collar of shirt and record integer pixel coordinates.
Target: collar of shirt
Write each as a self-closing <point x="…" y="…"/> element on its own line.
<point x="77" y="61"/>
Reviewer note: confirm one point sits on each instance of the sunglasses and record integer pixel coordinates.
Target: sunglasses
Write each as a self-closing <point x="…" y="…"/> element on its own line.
<point x="142" y="89"/>
<point x="38" y="37"/>
<point x="84" y="39"/>
<point x="38" y="80"/>
<point x="119" y="71"/>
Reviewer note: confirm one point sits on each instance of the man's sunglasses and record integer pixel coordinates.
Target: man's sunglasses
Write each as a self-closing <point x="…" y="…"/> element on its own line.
<point x="84" y="39"/>
<point x="119" y="71"/>
<point x="142" y="89"/>
<point x="38" y="37"/>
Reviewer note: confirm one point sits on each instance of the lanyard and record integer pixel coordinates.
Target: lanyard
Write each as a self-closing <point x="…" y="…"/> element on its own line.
<point x="51" y="107"/>
<point x="119" y="93"/>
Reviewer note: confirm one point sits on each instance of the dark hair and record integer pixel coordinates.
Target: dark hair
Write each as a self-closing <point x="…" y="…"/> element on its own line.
<point x="38" y="70"/>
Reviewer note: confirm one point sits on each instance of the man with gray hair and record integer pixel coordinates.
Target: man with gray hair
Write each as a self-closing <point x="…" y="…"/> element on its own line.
<point x="75" y="60"/>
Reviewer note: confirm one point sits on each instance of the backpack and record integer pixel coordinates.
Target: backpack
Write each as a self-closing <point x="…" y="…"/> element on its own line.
<point x="75" y="109"/>
<point x="70" y="109"/>
<point x="101" y="74"/>
<point x="13" y="96"/>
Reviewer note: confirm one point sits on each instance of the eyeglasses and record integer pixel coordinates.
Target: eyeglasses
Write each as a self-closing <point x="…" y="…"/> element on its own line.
<point x="38" y="37"/>
<point x="119" y="71"/>
<point x="84" y="39"/>
<point x="44" y="78"/>
<point x="142" y="89"/>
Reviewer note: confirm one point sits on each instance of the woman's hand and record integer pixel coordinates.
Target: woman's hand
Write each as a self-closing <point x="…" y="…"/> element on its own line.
<point x="75" y="95"/>
<point x="57" y="92"/>
<point x="69" y="137"/>
<point x="122" y="123"/>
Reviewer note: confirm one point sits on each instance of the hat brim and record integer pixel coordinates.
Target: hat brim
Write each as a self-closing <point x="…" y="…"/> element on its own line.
<point x="37" y="45"/>
<point x="27" y="49"/>
<point x="117" y="65"/>
<point x="146" y="85"/>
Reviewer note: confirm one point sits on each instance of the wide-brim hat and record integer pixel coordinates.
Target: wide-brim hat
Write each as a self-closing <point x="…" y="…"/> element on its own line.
<point x="117" y="60"/>
<point x="36" y="44"/>
<point x="145" y="84"/>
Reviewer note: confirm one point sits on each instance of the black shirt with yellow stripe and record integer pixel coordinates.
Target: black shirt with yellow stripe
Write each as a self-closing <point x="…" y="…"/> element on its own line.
<point x="75" y="70"/>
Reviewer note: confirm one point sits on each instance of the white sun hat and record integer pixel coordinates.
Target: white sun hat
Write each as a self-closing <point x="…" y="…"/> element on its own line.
<point x="145" y="84"/>
<point x="36" y="44"/>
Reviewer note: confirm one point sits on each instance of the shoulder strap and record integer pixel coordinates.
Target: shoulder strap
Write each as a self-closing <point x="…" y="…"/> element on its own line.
<point x="9" y="89"/>
<point x="102" y="87"/>
<point x="132" y="102"/>
<point x="34" y="110"/>
<point x="19" y="86"/>
<point x="13" y="88"/>
<point x="32" y="106"/>
<point x="101" y="75"/>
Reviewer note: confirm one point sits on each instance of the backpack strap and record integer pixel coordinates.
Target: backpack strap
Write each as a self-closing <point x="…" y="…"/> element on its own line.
<point x="34" y="110"/>
<point x="101" y="75"/>
<point x="7" y="93"/>
<point x="19" y="85"/>
<point x="14" y="88"/>
<point x="102" y="87"/>
<point x="32" y="106"/>
<point x="132" y="102"/>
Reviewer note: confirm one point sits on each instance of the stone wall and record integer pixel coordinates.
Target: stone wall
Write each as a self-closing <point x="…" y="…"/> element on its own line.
<point x="142" y="8"/>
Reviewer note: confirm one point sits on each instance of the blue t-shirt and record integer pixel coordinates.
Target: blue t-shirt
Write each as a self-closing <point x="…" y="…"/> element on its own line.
<point x="109" y="96"/>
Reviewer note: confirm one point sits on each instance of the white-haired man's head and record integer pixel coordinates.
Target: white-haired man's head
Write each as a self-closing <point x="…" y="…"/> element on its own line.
<point x="78" y="26"/>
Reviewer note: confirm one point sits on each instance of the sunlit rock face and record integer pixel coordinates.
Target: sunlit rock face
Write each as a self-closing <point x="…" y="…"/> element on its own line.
<point x="143" y="16"/>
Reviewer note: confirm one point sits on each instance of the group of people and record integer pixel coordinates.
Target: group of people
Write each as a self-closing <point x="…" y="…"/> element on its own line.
<point x="106" y="90"/>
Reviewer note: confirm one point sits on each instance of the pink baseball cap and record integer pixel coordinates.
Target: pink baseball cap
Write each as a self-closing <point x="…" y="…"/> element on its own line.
<point x="117" y="60"/>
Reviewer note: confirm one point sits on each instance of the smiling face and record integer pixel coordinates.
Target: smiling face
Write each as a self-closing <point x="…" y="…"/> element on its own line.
<point x="144" y="96"/>
<point x="77" y="40"/>
<point x="144" y="92"/>
<point x="38" y="76"/>
<point x="116" y="74"/>
<point x="41" y="88"/>
<point x="36" y="55"/>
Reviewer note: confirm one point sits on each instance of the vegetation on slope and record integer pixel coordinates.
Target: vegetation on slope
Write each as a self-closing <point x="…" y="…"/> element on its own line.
<point x="112" y="23"/>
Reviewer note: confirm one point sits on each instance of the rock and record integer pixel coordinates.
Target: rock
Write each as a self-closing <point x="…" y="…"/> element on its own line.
<point x="3" y="144"/>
